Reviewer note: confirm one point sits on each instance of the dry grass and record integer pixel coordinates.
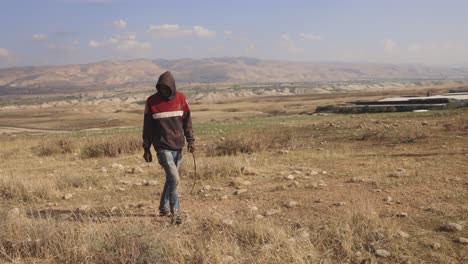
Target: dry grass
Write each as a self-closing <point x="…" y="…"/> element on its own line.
<point x="112" y="146"/>
<point x="55" y="146"/>
<point x="328" y="156"/>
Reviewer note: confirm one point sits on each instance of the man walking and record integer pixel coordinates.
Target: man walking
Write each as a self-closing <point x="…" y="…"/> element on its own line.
<point x="167" y="121"/>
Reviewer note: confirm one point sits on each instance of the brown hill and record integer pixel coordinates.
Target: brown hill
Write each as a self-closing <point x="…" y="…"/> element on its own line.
<point x="114" y="74"/>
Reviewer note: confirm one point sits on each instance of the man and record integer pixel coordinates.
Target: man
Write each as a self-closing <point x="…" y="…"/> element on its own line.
<point x="167" y="121"/>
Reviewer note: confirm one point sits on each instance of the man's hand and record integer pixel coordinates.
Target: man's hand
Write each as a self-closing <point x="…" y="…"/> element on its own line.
<point x="191" y="148"/>
<point x="147" y="156"/>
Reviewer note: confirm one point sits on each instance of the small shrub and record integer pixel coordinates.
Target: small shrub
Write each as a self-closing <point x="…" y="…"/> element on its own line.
<point x="274" y="110"/>
<point x="18" y="190"/>
<point x="55" y="146"/>
<point x="112" y="147"/>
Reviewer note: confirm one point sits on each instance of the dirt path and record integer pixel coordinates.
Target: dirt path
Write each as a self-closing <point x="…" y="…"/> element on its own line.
<point x="15" y="130"/>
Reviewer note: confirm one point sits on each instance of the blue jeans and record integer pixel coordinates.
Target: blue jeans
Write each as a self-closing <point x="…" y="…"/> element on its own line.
<point x="170" y="160"/>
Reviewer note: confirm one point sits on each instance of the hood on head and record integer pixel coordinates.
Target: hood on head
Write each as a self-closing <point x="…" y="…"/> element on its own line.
<point x="167" y="79"/>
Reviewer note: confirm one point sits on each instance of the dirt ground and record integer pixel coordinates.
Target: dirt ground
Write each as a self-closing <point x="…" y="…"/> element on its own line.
<point x="296" y="188"/>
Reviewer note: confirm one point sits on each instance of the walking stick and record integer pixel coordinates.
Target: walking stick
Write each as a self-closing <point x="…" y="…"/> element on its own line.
<point x="195" y="173"/>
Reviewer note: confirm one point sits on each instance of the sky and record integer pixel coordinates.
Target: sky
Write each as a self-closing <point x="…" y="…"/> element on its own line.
<point x="56" y="32"/>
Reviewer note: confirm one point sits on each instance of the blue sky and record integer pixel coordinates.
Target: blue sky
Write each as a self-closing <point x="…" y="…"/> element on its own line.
<point x="45" y="32"/>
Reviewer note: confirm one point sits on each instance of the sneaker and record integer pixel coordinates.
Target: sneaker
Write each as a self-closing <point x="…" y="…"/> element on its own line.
<point x="176" y="220"/>
<point x="163" y="213"/>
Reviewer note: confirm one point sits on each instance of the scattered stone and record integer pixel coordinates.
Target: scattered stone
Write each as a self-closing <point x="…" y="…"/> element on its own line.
<point x="297" y="172"/>
<point x="290" y="177"/>
<point x="125" y="182"/>
<point x="103" y="170"/>
<point x="291" y="204"/>
<point x="312" y="173"/>
<point x="403" y="234"/>
<point x="401" y="214"/>
<point x="247" y="183"/>
<point x="259" y="217"/>
<point x="138" y="170"/>
<point x="114" y="209"/>
<point x="462" y="240"/>
<point x="340" y="204"/>
<point x="224" y="197"/>
<point x="117" y="166"/>
<point x="283" y="151"/>
<point x="14" y="213"/>
<point x="388" y="199"/>
<point x="318" y="201"/>
<point x="382" y="253"/>
<point x="248" y="171"/>
<point x="152" y="183"/>
<point x="425" y="123"/>
<point x="322" y="184"/>
<point x="324" y="172"/>
<point x="451" y="227"/>
<point x="272" y="212"/>
<point x="356" y="180"/>
<point x="240" y="191"/>
<point x="400" y="172"/>
<point x="253" y="208"/>
<point x="435" y="245"/>
<point x="144" y="183"/>
<point x="121" y="189"/>
<point x="83" y="208"/>
<point x="228" y="222"/>
<point x="67" y="196"/>
<point x="207" y="187"/>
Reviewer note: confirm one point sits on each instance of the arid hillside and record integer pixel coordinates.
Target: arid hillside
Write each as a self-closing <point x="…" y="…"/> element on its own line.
<point x="114" y="74"/>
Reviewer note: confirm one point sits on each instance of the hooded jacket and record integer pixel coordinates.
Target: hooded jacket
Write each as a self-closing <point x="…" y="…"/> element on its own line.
<point x="167" y="120"/>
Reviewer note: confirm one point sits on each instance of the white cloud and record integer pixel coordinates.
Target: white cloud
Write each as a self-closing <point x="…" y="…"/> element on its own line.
<point x="39" y="37"/>
<point x="174" y="30"/>
<point x="4" y="54"/>
<point x="120" y="23"/>
<point x="289" y="45"/>
<point x="310" y="36"/>
<point x="62" y="47"/>
<point x="227" y="32"/>
<point x="390" y="46"/>
<point x="203" y="32"/>
<point x="95" y="44"/>
<point x="123" y="43"/>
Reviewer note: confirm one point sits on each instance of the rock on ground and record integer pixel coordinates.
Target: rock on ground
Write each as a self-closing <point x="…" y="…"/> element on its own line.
<point x="382" y="253"/>
<point x="451" y="227"/>
<point x="240" y="191"/>
<point x="248" y="171"/>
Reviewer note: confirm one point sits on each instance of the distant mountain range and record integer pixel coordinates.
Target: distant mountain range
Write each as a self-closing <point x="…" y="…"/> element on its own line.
<point x="115" y="74"/>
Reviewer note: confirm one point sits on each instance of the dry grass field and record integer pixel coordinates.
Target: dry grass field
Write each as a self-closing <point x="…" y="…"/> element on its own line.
<point x="275" y="185"/>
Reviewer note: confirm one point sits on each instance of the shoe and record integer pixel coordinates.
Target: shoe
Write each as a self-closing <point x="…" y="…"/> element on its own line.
<point x="163" y="213"/>
<point x="176" y="220"/>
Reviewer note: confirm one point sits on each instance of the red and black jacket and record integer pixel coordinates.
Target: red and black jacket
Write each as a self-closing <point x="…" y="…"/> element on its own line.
<point x="167" y="120"/>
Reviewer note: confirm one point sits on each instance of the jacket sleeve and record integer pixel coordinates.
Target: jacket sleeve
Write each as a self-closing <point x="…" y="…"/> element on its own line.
<point x="148" y="128"/>
<point x="187" y="123"/>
